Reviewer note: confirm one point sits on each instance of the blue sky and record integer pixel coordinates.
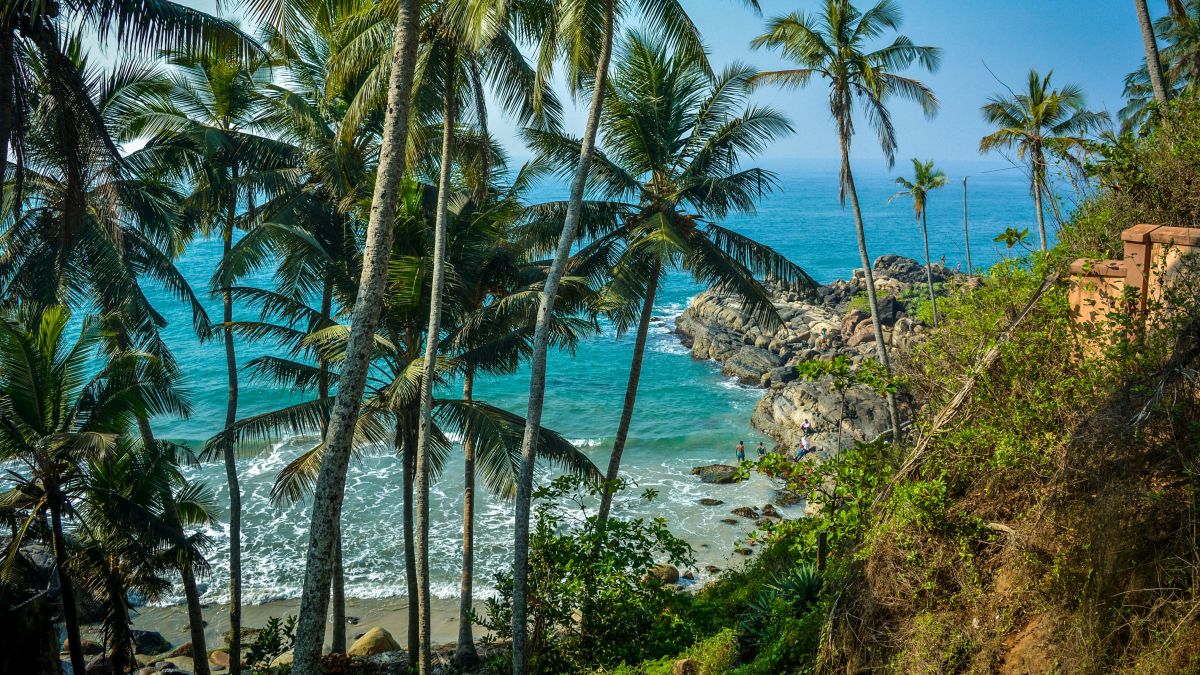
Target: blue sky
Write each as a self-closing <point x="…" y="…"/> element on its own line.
<point x="1092" y="43"/>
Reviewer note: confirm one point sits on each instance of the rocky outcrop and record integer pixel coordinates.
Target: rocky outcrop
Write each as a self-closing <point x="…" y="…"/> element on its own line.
<point x="376" y="641"/>
<point x="719" y="474"/>
<point x="821" y="325"/>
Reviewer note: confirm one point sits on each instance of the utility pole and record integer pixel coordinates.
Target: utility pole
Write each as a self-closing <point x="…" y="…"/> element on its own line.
<point x="966" y="230"/>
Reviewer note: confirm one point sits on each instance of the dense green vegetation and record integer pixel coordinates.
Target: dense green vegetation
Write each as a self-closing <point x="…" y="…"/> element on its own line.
<point x="345" y="147"/>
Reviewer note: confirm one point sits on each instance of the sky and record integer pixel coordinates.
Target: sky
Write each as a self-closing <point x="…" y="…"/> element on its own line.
<point x="1091" y="43"/>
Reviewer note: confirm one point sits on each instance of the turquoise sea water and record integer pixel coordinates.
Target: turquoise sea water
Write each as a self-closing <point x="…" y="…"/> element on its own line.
<point x="687" y="413"/>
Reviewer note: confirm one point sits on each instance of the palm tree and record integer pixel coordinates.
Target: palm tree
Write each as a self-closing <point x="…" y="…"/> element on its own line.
<point x="39" y="31"/>
<point x="54" y="417"/>
<point x="1153" y="62"/>
<point x="1180" y="31"/>
<point x="330" y="484"/>
<point x="925" y="179"/>
<point x="673" y="137"/>
<point x="1041" y="124"/>
<point x="201" y="130"/>
<point x="833" y="45"/>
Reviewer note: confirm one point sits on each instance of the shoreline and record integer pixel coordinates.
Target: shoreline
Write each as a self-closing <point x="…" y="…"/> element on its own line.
<point x="391" y="614"/>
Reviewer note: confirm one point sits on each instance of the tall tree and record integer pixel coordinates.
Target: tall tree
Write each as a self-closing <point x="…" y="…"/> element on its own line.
<point x="833" y="45"/>
<point x="1040" y="124"/>
<point x="1153" y="61"/>
<point x="925" y="179"/>
<point x="673" y="138"/>
<point x="330" y="484"/>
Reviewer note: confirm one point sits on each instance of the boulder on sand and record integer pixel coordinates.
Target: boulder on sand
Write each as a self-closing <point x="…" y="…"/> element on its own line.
<point x="149" y="642"/>
<point x="720" y="474"/>
<point x="89" y="647"/>
<point x="375" y="641"/>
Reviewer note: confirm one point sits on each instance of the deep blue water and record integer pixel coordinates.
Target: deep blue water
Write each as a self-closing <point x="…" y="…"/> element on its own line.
<point x="687" y="412"/>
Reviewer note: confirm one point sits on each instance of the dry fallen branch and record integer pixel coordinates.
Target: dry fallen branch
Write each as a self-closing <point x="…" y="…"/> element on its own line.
<point x="951" y="410"/>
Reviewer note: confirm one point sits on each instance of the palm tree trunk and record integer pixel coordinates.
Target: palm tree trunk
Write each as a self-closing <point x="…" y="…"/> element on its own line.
<point x="1153" y="62"/>
<point x="331" y="481"/>
<point x="337" y="588"/>
<point x="929" y="266"/>
<point x="869" y="278"/>
<point x="66" y="588"/>
<point x="409" y="451"/>
<point x="186" y="572"/>
<point x="465" y="654"/>
<point x="432" y="338"/>
<point x="229" y="450"/>
<point x="541" y="345"/>
<point x="635" y="375"/>
<point x="1037" y="202"/>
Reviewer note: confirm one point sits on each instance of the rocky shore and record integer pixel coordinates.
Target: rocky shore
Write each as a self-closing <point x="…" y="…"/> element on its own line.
<point x="821" y="325"/>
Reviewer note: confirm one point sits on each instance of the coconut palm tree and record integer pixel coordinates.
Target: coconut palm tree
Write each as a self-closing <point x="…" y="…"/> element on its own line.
<point x="925" y="179"/>
<point x="55" y="416"/>
<point x="1040" y="124"/>
<point x="834" y="45"/>
<point x="673" y="138"/>
<point x="1180" y="33"/>
<point x="202" y="131"/>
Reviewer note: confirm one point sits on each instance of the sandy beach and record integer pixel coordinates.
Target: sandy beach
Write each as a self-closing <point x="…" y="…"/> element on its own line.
<point x="391" y="614"/>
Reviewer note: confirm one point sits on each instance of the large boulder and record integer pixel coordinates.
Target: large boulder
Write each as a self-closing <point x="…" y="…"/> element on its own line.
<point x="719" y="474"/>
<point x="149" y="642"/>
<point x="749" y="363"/>
<point x="219" y="658"/>
<point x="90" y="647"/>
<point x="184" y="649"/>
<point x="284" y="660"/>
<point x="375" y="641"/>
<point x="665" y="573"/>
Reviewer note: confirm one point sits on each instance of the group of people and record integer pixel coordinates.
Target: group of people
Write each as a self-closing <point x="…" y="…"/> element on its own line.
<point x="806" y="429"/>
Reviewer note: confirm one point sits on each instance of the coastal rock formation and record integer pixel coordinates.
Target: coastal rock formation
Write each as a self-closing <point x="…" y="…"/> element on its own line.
<point x="719" y="474"/>
<point x="376" y="641"/>
<point x="821" y="325"/>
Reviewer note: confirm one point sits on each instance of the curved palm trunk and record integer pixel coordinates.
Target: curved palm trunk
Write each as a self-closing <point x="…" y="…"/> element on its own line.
<point x="231" y="475"/>
<point x="1153" y="62"/>
<point x="541" y="345"/>
<point x="464" y="652"/>
<point x="66" y="588"/>
<point x="432" y="338"/>
<point x="337" y="588"/>
<point x="186" y="572"/>
<point x="869" y="278"/>
<point x="635" y="375"/>
<point x="331" y="481"/>
<point x="929" y="267"/>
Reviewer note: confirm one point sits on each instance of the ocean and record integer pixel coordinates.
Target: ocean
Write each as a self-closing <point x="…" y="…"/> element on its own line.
<point x="688" y="413"/>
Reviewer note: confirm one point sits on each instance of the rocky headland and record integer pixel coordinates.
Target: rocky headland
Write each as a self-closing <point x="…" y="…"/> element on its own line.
<point x="824" y="324"/>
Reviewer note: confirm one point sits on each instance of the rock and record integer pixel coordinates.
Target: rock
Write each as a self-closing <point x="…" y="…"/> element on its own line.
<point x="788" y="498"/>
<point x="763" y="523"/>
<point x="149" y="642"/>
<point x="686" y="667"/>
<point x="183" y="663"/>
<point x="146" y="671"/>
<point x="743" y="550"/>
<point x="144" y="659"/>
<point x="219" y="658"/>
<point x="719" y="474"/>
<point x="184" y="649"/>
<point x="731" y="521"/>
<point x="745" y="512"/>
<point x="709" y="501"/>
<point x="249" y="636"/>
<point x="769" y="511"/>
<point x="89" y="647"/>
<point x="864" y="333"/>
<point x="665" y="573"/>
<point x="283" y="660"/>
<point x="688" y="575"/>
<point x="851" y="321"/>
<point x="712" y="569"/>
<point x="749" y="363"/>
<point x="352" y="620"/>
<point x="98" y="666"/>
<point x="391" y="663"/>
<point x="375" y="641"/>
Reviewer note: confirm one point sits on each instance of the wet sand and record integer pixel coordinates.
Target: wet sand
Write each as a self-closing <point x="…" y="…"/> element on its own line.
<point x="362" y="615"/>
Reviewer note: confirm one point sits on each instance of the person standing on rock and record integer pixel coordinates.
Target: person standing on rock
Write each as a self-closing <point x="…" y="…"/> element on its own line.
<point x="806" y="428"/>
<point x="741" y="451"/>
<point x="762" y="450"/>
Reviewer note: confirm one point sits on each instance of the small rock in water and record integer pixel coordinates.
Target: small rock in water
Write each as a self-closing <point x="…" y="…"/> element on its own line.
<point x="770" y="512"/>
<point x="663" y="572"/>
<point x="688" y="575"/>
<point x="730" y="521"/>
<point x="744" y="550"/>
<point x="712" y="569"/>
<point x="352" y="620"/>
<point x="745" y="512"/>
<point x="709" y="501"/>
<point x="786" y="498"/>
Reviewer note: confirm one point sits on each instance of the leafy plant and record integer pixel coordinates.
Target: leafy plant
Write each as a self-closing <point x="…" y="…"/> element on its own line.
<point x="276" y="638"/>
